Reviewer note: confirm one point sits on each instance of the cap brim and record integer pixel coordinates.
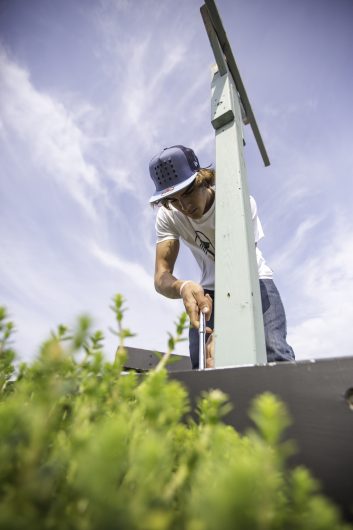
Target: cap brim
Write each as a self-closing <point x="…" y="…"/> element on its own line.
<point x="167" y="192"/>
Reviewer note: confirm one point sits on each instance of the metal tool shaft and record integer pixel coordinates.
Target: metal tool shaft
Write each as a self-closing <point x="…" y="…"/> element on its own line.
<point x="202" y="342"/>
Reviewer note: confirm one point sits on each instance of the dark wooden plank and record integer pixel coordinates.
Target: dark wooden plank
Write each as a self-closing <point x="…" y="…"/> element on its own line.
<point x="317" y="396"/>
<point x="143" y="360"/>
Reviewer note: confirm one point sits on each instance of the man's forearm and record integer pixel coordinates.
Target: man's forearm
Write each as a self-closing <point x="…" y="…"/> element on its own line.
<point x="167" y="285"/>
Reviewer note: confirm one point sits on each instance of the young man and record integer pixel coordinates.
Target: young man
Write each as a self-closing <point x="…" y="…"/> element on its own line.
<point x="186" y="193"/>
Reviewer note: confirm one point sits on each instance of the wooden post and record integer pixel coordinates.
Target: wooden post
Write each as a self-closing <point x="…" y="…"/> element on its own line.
<point x="239" y="330"/>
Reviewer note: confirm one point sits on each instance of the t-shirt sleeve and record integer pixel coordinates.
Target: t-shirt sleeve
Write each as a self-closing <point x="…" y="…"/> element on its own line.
<point x="258" y="231"/>
<point x="165" y="227"/>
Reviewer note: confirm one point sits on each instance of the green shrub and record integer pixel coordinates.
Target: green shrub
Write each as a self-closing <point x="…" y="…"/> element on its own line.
<point x="85" y="447"/>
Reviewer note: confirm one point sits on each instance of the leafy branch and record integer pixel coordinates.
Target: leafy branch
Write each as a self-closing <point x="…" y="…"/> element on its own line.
<point x="181" y="325"/>
<point x="7" y="353"/>
<point x="119" y="309"/>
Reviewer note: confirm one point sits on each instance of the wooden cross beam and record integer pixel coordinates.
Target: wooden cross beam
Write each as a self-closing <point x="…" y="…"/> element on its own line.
<point x="225" y="58"/>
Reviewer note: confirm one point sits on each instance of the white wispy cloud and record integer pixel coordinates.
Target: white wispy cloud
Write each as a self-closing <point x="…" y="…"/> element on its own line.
<point x="282" y="260"/>
<point x="324" y="306"/>
<point x="133" y="271"/>
<point x="53" y="141"/>
<point x="150" y="100"/>
<point x="285" y="111"/>
<point x="205" y="142"/>
<point x="121" y="177"/>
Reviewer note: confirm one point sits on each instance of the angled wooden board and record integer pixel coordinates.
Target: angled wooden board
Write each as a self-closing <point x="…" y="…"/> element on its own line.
<point x="212" y="18"/>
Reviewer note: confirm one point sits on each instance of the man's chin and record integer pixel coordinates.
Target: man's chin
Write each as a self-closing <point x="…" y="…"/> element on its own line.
<point x="195" y="214"/>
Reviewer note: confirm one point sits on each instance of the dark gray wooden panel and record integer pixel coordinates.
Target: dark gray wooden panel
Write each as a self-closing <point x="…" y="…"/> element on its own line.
<point x="315" y="394"/>
<point x="142" y="360"/>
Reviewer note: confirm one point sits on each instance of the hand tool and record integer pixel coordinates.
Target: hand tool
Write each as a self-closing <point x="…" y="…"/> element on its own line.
<point x="202" y="342"/>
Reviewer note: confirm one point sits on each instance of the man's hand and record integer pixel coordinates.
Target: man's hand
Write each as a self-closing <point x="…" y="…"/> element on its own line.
<point x="210" y="352"/>
<point x="195" y="301"/>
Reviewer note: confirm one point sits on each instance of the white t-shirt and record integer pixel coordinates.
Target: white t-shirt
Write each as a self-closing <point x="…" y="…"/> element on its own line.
<point x="199" y="236"/>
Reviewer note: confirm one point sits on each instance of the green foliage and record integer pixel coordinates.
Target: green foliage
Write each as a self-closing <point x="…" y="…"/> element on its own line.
<point x="7" y="354"/>
<point x="119" y="309"/>
<point x="84" y="446"/>
<point x="173" y="340"/>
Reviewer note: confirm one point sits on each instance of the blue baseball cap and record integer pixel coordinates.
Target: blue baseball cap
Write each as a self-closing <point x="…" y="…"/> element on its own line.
<point x="173" y="170"/>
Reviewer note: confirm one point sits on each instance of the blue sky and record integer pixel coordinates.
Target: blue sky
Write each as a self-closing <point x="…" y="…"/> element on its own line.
<point x="91" y="90"/>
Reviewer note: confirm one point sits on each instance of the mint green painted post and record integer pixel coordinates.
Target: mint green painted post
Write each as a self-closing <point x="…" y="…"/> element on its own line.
<point x="239" y="331"/>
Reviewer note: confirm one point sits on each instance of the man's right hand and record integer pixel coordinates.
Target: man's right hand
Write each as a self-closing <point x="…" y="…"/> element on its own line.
<point x="195" y="300"/>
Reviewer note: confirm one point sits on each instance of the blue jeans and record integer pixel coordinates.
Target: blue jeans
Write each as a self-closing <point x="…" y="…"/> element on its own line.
<point x="275" y="325"/>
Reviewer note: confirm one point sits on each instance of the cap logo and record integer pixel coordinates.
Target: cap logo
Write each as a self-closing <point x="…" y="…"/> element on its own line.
<point x="167" y="190"/>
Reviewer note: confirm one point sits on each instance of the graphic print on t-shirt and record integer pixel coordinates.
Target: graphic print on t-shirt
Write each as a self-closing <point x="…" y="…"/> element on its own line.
<point x="205" y="244"/>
